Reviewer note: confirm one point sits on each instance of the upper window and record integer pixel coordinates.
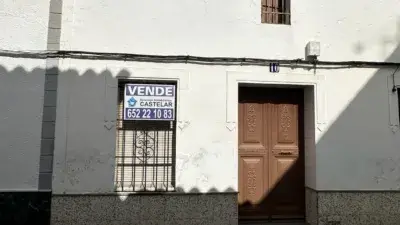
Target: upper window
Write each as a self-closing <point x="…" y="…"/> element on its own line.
<point x="275" y="11"/>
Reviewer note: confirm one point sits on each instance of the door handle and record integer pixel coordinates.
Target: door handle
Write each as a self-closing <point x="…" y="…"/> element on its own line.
<point x="285" y="153"/>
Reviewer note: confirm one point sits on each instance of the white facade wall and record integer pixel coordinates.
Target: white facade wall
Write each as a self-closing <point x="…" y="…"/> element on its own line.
<point x="350" y="143"/>
<point x="355" y="113"/>
<point x="356" y="30"/>
<point x="355" y="146"/>
<point x="24" y="27"/>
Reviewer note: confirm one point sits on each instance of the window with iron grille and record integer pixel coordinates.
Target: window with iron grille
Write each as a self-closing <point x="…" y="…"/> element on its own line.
<point x="145" y="152"/>
<point x="275" y="11"/>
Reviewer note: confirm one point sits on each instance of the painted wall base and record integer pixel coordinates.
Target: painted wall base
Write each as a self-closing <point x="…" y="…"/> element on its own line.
<point x="352" y="208"/>
<point x="176" y="209"/>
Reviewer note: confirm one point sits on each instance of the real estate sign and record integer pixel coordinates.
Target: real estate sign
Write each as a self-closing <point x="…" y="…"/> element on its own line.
<point x="149" y="102"/>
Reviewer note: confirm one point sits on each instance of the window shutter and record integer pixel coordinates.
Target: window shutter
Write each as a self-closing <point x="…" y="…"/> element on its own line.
<point x="275" y="11"/>
<point x="270" y="11"/>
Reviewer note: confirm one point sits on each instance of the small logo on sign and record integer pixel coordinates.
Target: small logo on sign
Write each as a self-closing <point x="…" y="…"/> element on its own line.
<point x="132" y="102"/>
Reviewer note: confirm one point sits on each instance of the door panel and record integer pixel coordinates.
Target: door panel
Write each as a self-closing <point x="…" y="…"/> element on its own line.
<point x="253" y="158"/>
<point x="252" y="117"/>
<point x="271" y="163"/>
<point x="279" y="166"/>
<point x="286" y="171"/>
<point x="252" y="173"/>
<point x="285" y="187"/>
<point x="285" y="127"/>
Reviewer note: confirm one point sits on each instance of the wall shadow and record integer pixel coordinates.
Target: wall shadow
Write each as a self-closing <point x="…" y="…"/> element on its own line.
<point x="88" y="164"/>
<point x="361" y="129"/>
<point x="361" y="137"/>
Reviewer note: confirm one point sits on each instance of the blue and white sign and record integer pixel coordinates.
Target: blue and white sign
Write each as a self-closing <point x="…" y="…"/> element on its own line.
<point x="149" y="102"/>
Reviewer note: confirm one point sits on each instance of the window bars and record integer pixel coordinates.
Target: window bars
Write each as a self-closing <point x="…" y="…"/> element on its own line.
<point x="145" y="155"/>
<point x="275" y="11"/>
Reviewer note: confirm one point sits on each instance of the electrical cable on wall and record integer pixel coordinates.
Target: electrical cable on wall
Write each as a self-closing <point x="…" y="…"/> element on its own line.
<point x="189" y="59"/>
<point x="394" y="89"/>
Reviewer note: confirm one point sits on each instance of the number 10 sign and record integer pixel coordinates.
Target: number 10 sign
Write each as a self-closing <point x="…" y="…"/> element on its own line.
<point x="149" y="102"/>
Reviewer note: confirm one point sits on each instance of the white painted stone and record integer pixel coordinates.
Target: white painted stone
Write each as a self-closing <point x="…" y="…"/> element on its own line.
<point x="351" y="132"/>
<point x="25" y="25"/>
<point x="356" y="117"/>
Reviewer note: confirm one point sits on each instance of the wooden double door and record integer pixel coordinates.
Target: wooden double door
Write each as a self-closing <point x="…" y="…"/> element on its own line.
<point x="271" y="156"/>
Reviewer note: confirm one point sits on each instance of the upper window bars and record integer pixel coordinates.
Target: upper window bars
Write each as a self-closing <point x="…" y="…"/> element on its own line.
<point x="145" y="153"/>
<point x="275" y="11"/>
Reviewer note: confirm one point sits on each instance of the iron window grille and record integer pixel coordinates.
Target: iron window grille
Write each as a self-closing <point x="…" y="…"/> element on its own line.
<point x="275" y="11"/>
<point x="145" y="152"/>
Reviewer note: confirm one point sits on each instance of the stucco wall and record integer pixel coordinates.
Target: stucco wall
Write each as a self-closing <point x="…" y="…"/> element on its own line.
<point x="84" y="151"/>
<point x="346" y="30"/>
<point x="355" y="145"/>
<point x="24" y="27"/>
<point x="354" y="110"/>
<point x="357" y="149"/>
